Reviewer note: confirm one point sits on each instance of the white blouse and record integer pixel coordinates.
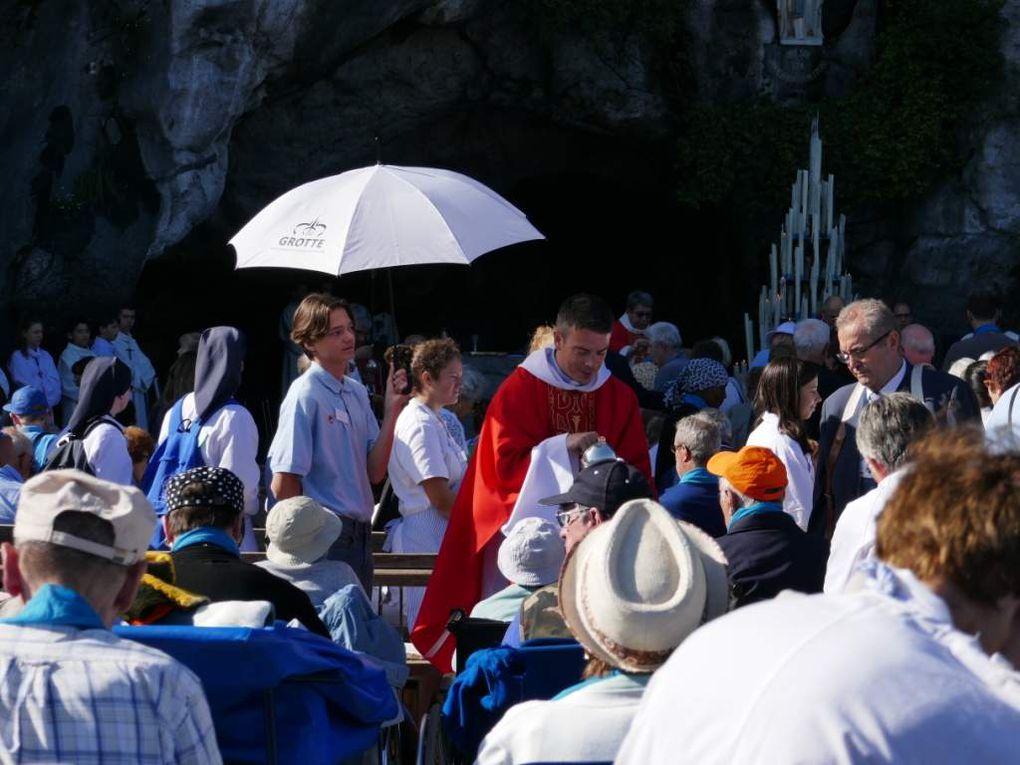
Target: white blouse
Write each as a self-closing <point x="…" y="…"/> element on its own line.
<point x="800" y="469"/>
<point x="423" y="448"/>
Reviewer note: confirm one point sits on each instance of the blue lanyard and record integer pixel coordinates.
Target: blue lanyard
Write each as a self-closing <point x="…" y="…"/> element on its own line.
<point x="206" y="536"/>
<point x="758" y="508"/>
<point x="54" y="604"/>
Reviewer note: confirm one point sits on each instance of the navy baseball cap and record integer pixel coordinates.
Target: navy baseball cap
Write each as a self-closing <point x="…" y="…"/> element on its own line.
<point x="28" y="402"/>
<point x="606" y="486"/>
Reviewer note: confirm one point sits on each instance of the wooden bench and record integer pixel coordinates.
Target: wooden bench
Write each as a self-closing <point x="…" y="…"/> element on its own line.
<point x="391" y="569"/>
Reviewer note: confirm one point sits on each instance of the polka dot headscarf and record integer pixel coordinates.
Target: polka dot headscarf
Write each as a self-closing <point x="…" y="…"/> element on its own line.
<point x="221" y="488"/>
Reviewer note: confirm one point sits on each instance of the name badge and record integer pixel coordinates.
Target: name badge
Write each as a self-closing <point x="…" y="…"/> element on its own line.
<point x="341" y="416"/>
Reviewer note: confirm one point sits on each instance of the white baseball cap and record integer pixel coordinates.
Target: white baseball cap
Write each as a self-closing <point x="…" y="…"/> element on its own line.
<point x="46" y="496"/>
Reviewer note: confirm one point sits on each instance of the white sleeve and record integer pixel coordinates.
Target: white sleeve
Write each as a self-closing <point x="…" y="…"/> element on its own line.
<point x="231" y="441"/>
<point x="106" y="451"/>
<point x="801" y="480"/>
<point x="67" y="384"/>
<point x="425" y="449"/>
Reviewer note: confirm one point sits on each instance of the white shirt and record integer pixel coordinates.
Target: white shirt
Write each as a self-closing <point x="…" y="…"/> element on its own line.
<point x="230" y="440"/>
<point x="72" y="695"/>
<point x="423" y="448"/>
<point x="38" y="370"/>
<point x="997" y="425"/>
<point x="800" y="469"/>
<point x="68" y="387"/>
<point x="107" y="452"/>
<point x="586" y="725"/>
<point x="891" y="386"/>
<point x="878" y="676"/>
<point x="853" y="540"/>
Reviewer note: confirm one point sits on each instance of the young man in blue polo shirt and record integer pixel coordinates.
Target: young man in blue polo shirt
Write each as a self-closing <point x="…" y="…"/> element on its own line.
<point x="328" y="445"/>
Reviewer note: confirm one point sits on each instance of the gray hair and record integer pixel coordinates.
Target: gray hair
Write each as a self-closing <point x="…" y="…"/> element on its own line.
<point x="722" y="421"/>
<point x="918" y="338"/>
<point x="664" y="333"/>
<point x="875" y="317"/>
<point x="810" y="338"/>
<point x="745" y="501"/>
<point x="889" y="425"/>
<point x="699" y="433"/>
<point x="637" y="297"/>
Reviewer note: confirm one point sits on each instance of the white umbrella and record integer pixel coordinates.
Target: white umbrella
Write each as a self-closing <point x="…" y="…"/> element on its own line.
<point x="381" y="216"/>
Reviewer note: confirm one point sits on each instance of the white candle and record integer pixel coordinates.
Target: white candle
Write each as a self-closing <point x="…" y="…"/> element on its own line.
<point x="798" y="273"/>
<point x="803" y="308"/>
<point x="828" y="208"/>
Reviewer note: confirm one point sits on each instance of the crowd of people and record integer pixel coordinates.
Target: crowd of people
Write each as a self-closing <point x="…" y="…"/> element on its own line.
<point x="857" y="509"/>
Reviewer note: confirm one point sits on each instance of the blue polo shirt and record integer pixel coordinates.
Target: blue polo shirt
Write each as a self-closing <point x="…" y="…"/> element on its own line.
<point x="10" y="492"/>
<point x="325" y="433"/>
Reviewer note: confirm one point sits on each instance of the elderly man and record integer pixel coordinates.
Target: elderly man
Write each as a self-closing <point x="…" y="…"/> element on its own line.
<point x="560" y="399"/>
<point x="597" y="493"/>
<point x="918" y="345"/>
<point x="695" y="497"/>
<point x="666" y="351"/>
<point x="143" y="375"/>
<point x="888" y="427"/>
<point x="73" y="691"/>
<point x="870" y="347"/>
<point x="984" y="310"/>
<point x="631" y="326"/>
<point x="915" y="666"/>
<point x="766" y="549"/>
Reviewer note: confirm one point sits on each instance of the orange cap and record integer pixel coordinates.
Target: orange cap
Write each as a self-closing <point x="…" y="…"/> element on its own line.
<point x="754" y="471"/>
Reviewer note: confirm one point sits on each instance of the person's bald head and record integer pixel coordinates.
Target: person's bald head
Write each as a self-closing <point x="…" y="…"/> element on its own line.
<point x="918" y="344"/>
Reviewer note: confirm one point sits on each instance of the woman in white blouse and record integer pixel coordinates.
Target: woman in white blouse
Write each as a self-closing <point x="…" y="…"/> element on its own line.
<point x="787" y="395"/>
<point x="31" y="365"/>
<point x="426" y="464"/>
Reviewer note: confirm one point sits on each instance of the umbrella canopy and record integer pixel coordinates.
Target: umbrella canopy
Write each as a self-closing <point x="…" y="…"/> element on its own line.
<point x="381" y="216"/>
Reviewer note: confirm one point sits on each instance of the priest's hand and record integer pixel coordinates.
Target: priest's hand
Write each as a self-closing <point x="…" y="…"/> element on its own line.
<point x="578" y="442"/>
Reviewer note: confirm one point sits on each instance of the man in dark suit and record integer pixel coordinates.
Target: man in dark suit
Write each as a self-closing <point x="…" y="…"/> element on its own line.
<point x="767" y="551"/>
<point x="870" y="347"/>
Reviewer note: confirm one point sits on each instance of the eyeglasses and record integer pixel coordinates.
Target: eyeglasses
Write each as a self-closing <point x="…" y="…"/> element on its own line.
<point x="843" y="357"/>
<point x="565" y="516"/>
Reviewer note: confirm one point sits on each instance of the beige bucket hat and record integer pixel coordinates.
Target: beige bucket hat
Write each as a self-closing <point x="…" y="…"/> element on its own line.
<point x="639" y="584"/>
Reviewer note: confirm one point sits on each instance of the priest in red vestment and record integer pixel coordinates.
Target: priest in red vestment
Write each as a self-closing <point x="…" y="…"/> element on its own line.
<point x="563" y="395"/>
<point x="632" y="324"/>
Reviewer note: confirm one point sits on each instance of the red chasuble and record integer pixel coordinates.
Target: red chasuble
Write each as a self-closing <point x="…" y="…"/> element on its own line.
<point x="621" y="337"/>
<point x="524" y="412"/>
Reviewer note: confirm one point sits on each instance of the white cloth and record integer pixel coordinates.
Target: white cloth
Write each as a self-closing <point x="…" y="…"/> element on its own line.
<point x="879" y="675"/>
<point x="73" y="695"/>
<point x="800" y="469"/>
<point x="587" y="725"/>
<point x="423" y="448"/>
<point x="997" y="425"/>
<point x="542" y="364"/>
<point x="107" y="453"/>
<point x="38" y="370"/>
<point x="230" y="440"/>
<point x="143" y="375"/>
<point x="550" y="472"/>
<point x="853" y="540"/>
<point x="68" y="387"/>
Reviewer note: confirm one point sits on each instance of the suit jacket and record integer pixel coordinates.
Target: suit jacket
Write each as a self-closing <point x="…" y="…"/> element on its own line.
<point x="769" y="553"/>
<point x="847" y="482"/>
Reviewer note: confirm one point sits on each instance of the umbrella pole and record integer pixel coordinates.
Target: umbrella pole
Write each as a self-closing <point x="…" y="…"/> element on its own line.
<point x="393" y="304"/>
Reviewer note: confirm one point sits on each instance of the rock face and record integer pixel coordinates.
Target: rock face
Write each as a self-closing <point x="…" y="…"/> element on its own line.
<point x="148" y="119"/>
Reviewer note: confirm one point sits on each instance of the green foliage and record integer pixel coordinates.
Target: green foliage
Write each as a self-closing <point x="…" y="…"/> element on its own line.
<point x="888" y="141"/>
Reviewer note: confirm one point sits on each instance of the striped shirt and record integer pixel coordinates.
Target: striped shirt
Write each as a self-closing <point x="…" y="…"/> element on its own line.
<point x="89" y="697"/>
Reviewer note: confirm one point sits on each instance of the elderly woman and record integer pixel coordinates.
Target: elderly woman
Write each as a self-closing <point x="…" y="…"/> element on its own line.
<point x="631" y="592"/>
<point x="786" y="397"/>
<point x="1002" y="378"/>
<point x="701" y="384"/>
<point x="426" y="463"/>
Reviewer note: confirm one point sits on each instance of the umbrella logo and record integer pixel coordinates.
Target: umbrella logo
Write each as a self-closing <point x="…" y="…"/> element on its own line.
<point x="305" y="236"/>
